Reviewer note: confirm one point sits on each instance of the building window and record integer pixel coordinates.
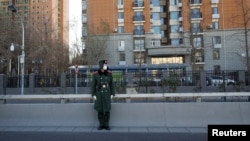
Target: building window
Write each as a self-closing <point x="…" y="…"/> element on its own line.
<point x="138" y="3"/>
<point x="174" y="15"/>
<point x="139" y="44"/>
<point x="154" y="2"/>
<point x="120" y="15"/>
<point x="175" y="28"/>
<point x="121" y="43"/>
<point x="156" y="29"/>
<point x="139" y="30"/>
<point x="195" y="13"/>
<point x="122" y="56"/>
<point x="84" y="6"/>
<point x="199" y="56"/>
<point x="152" y="43"/>
<point x="120" y="29"/>
<point x="167" y="60"/>
<point x="163" y="9"/>
<point x="214" y="10"/>
<point x="84" y="18"/>
<point x="155" y="16"/>
<point x="163" y="33"/>
<point x="174" y="2"/>
<point x="120" y="2"/>
<point x="197" y="42"/>
<point x="155" y="43"/>
<point x="195" y="1"/>
<point x="139" y="57"/>
<point x="175" y="42"/>
<point x="195" y="27"/>
<point x="216" y="40"/>
<point x="215" y="25"/>
<point x="163" y="21"/>
<point x="216" y="54"/>
<point x="138" y="16"/>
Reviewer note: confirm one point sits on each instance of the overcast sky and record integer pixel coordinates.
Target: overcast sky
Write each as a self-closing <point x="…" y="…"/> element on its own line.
<point x="75" y="22"/>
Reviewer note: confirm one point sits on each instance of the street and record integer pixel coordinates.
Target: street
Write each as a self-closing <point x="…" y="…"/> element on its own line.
<point x="100" y="136"/>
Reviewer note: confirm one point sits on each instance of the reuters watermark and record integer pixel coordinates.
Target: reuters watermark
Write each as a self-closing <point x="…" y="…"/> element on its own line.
<point x="238" y="132"/>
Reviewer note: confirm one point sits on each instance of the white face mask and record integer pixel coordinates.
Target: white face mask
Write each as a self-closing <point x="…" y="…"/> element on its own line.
<point x="105" y="67"/>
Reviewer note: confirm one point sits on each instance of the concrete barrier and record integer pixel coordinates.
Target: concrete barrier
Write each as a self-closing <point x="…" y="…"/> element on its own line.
<point x="189" y="114"/>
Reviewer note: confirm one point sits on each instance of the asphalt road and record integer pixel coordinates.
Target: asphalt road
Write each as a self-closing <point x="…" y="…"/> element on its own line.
<point x="100" y="136"/>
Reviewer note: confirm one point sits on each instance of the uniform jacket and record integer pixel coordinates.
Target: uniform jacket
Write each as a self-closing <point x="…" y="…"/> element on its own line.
<point x="102" y="87"/>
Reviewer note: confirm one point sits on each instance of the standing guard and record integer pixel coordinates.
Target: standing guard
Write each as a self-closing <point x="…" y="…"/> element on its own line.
<point x="102" y="92"/>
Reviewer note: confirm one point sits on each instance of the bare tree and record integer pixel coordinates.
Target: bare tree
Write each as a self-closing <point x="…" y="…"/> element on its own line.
<point x="242" y="19"/>
<point x="193" y="40"/>
<point x="8" y="32"/>
<point x="96" y="44"/>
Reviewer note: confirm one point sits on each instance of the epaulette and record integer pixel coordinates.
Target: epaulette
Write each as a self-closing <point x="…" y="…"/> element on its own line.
<point x="96" y="72"/>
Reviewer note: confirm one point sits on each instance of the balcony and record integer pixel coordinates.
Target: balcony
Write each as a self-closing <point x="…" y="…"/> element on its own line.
<point x="139" y="32"/>
<point x="138" y="18"/>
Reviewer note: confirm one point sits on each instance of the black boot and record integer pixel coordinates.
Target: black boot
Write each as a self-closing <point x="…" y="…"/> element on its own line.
<point x="106" y="120"/>
<point x="101" y="120"/>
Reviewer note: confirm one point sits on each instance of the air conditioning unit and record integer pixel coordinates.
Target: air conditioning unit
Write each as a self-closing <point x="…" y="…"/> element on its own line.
<point x="180" y="4"/>
<point x="210" y="26"/>
<point x="114" y="30"/>
<point x="180" y="19"/>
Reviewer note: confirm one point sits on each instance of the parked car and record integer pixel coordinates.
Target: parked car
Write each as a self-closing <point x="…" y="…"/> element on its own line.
<point x="217" y="80"/>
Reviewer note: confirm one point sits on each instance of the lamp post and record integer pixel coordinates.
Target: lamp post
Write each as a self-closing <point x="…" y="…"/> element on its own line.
<point x="22" y="56"/>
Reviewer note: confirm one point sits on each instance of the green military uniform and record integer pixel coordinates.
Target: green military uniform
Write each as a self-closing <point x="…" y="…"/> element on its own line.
<point x="103" y="87"/>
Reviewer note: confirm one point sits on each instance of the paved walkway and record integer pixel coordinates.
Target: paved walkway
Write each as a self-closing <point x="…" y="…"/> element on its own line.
<point x="92" y="134"/>
<point x="113" y="129"/>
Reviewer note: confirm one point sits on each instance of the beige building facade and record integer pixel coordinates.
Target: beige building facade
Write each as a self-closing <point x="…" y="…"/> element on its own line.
<point x="198" y="34"/>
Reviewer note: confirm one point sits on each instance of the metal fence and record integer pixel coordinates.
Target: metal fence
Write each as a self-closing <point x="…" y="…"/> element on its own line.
<point x="15" y="81"/>
<point x="138" y="78"/>
<point x="144" y="82"/>
<point x="47" y="81"/>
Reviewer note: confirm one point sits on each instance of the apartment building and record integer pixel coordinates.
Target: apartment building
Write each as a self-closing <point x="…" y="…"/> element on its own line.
<point x="45" y="24"/>
<point x="198" y="34"/>
<point x="44" y="16"/>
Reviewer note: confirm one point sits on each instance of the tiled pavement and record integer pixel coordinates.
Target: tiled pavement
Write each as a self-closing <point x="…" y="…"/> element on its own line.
<point x="113" y="129"/>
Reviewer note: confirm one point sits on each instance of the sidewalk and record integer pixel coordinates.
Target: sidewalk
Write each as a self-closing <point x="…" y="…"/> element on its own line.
<point x="113" y="129"/>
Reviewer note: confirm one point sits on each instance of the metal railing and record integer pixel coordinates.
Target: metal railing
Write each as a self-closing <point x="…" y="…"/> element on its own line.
<point x="141" y="81"/>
